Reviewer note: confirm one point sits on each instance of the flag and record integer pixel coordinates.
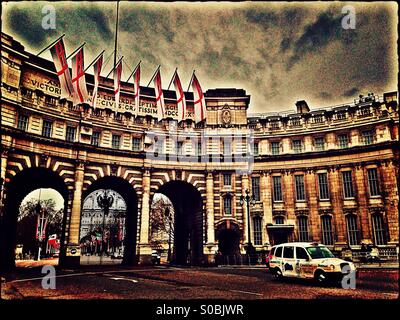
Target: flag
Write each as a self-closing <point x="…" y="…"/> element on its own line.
<point x="117" y="82"/>
<point x="60" y="62"/>
<point x="159" y="96"/>
<point x="78" y="78"/>
<point x="180" y="97"/>
<point x="136" y="79"/>
<point x="96" y="71"/>
<point x="199" y="101"/>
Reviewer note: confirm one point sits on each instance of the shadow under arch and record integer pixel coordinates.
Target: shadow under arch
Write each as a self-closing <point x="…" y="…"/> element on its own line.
<point x="128" y="193"/>
<point x="188" y="229"/>
<point x="21" y="185"/>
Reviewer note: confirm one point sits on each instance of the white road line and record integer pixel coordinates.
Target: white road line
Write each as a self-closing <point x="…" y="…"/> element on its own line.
<point x="247" y="292"/>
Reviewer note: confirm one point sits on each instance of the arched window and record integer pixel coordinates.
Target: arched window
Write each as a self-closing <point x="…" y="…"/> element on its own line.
<point x="327" y="230"/>
<point x="352" y="229"/>
<point x="279" y="220"/>
<point x="379" y="229"/>
<point x="302" y="223"/>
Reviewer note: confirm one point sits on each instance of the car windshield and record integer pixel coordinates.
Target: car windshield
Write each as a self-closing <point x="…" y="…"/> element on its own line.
<point x="319" y="252"/>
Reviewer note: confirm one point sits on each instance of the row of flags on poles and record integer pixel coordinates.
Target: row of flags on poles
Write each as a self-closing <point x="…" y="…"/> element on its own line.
<point x="74" y="86"/>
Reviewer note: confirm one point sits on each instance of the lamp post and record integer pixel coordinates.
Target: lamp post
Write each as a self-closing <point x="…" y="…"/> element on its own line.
<point x="167" y="214"/>
<point x="249" y="199"/>
<point x="104" y="202"/>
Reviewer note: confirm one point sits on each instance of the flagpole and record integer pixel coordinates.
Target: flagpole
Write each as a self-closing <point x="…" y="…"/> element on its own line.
<point x="154" y="75"/>
<point x="134" y="70"/>
<point x="76" y="50"/>
<point x="116" y="37"/>
<point x="172" y="78"/>
<point x="114" y="67"/>
<point x="50" y="45"/>
<point x="95" y="60"/>
<point x="190" y="82"/>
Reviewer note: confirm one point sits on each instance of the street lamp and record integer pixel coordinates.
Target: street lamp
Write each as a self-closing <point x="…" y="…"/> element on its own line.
<point x="104" y="202"/>
<point x="167" y="214"/>
<point x="249" y="200"/>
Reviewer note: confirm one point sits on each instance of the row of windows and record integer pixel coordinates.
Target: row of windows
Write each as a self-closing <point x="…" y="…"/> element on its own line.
<point x="367" y="137"/>
<point x="352" y="230"/>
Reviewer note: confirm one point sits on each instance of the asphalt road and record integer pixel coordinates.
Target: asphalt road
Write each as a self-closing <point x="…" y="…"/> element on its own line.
<point x="190" y="283"/>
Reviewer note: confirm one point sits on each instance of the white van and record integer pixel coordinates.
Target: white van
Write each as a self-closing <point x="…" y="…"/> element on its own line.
<point x="307" y="260"/>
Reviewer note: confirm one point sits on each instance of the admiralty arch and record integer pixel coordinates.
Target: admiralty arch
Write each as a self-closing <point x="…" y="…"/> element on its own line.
<point x="314" y="174"/>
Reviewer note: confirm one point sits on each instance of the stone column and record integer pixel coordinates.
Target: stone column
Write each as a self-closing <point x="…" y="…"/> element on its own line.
<point x="362" y="195"/>
<point x="4" y="157"/>
<point x="245" y="186"/>
<point x="266" y="198"/>
<point x="73" y="253"/>
<point x="335" y="189"/>
<point x="312" y="205"/>
<point x="288" y="192"/>
<point x="211" y="247"/>
<point x="144" y="245"/>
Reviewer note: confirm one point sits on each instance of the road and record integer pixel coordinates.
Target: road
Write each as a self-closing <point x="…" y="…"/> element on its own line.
<point x="190" y="283"/>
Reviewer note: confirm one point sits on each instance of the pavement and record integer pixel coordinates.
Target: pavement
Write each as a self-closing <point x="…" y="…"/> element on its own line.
<point x="163" y="282"/>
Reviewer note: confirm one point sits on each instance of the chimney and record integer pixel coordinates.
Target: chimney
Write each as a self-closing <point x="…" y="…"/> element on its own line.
<point x="302" y="106"/>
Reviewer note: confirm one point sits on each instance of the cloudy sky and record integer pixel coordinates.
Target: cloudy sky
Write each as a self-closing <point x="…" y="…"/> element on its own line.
<point x="278" y="52"/>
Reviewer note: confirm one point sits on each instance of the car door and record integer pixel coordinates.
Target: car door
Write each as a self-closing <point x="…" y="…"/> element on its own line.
<point x="288" y="262"/>
<point x="303" y="264"/>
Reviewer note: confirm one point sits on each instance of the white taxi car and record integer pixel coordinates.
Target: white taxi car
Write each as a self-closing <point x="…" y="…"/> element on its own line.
<point x="307" y="260"/>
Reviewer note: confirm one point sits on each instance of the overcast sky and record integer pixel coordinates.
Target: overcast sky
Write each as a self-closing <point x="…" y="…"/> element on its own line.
<point x="279" y="53"/>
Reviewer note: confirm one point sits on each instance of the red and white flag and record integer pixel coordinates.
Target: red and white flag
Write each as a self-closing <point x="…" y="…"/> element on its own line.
<point x="180" y="97"/>
<point x="136" y="79"/>
<point x="198" y="101"/>
<point x="60" y="62"/>
<point x="159" y="96"/>
<point x="117" y="82"/>
<point x="78" y="78"/>
<point x="96" y="71"/>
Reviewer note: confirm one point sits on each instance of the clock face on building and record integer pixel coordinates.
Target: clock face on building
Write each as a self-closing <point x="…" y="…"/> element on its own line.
<point x="226" y="117"/>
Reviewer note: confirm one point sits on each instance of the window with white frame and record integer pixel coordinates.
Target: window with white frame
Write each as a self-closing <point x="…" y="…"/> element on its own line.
<point x="275" y="147"/>
<point x="116" y="141"/>
<point x="23" y="122"/>
<point x="277" y="188"/>
<point x="300" y="192"/>
<point x="47" y="128"/>
<point x="227" y="177"/>
<point x="227" y="205"/>
<point x="368" y="137"/>
<point x="136" y="144"/>
<point x="319" y="143"/>
<point x="95" y="139"/>
<point x="347" y="184"/>
<point x="373" y="182"/>
<point x="70" y="134"/>
<point x="343" y="141"/>
<point x="323" y="186"/>
<point x="297" y="147"/>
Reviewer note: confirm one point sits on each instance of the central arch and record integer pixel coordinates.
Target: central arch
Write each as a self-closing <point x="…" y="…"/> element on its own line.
<point x="188" y="225"/>
<point x="128" y="193"/>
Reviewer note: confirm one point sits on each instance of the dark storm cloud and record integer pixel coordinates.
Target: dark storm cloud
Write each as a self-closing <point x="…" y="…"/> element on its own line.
<point x="351" y="92"/>
<point x="279" y="52"/>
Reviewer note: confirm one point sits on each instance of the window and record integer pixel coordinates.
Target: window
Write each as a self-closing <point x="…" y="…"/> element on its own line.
<point x="379" y="229"/>
<point x="301" y="253"/>
<point x="373" y="182"/>
<point x="227" y="205"/>
<point x="198" y="148"/>
<point x="255" y="149"/>
<point x="297" y="146"/>
<point x="288" y="252"/>
<point x="319" y="144"/>
<point x="347" y="184"/>
<point x="47" y="128"/>
<point x="116" y="141"/>
<point x="343" y="141"/>
<point x="277" y="185"/>
<point x="22" y="122"/>
<point x="323" y="186"/>
<point x="255" y="187"/>
<point x="352" y="230"/>
<point x="302" y="222"/>
<point x="70" y="134"/>
<point x="179" y="147"/>
<point x="341" y="115"/>
<point x="279" y="220"/>
<point x="136" y="144"/>
<point x="278" y="252"/>
<point x="227" y="179"/>
<point x="300" y="193"/>
<point x="368" y="137"/>
<point x="95" y="139"/>
<point x="318" y="119"/>
<point x="257" y="231"/>
<point x="275" y="147"/>
<point x="327" y="231"/>
<point x="226" y="147"/>
<point x="296" y="122"/>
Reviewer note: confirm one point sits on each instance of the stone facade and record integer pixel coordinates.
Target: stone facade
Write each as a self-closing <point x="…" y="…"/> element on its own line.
<point x="296" y="159"/>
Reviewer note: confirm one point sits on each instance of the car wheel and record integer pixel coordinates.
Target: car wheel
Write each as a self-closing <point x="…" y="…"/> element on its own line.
<point x="277" y="273"/>
<point x="320" y="277"/>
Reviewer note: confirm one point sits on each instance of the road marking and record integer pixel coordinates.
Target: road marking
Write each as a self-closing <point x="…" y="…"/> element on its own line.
<point x="247" y="292"/>
<point x="126" y="279"/>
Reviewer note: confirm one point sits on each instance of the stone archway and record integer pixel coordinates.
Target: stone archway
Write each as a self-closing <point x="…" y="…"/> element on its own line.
<point x="188" y="225"/>
<point x="22" y="184"/>
<point x="128" y="193"/>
